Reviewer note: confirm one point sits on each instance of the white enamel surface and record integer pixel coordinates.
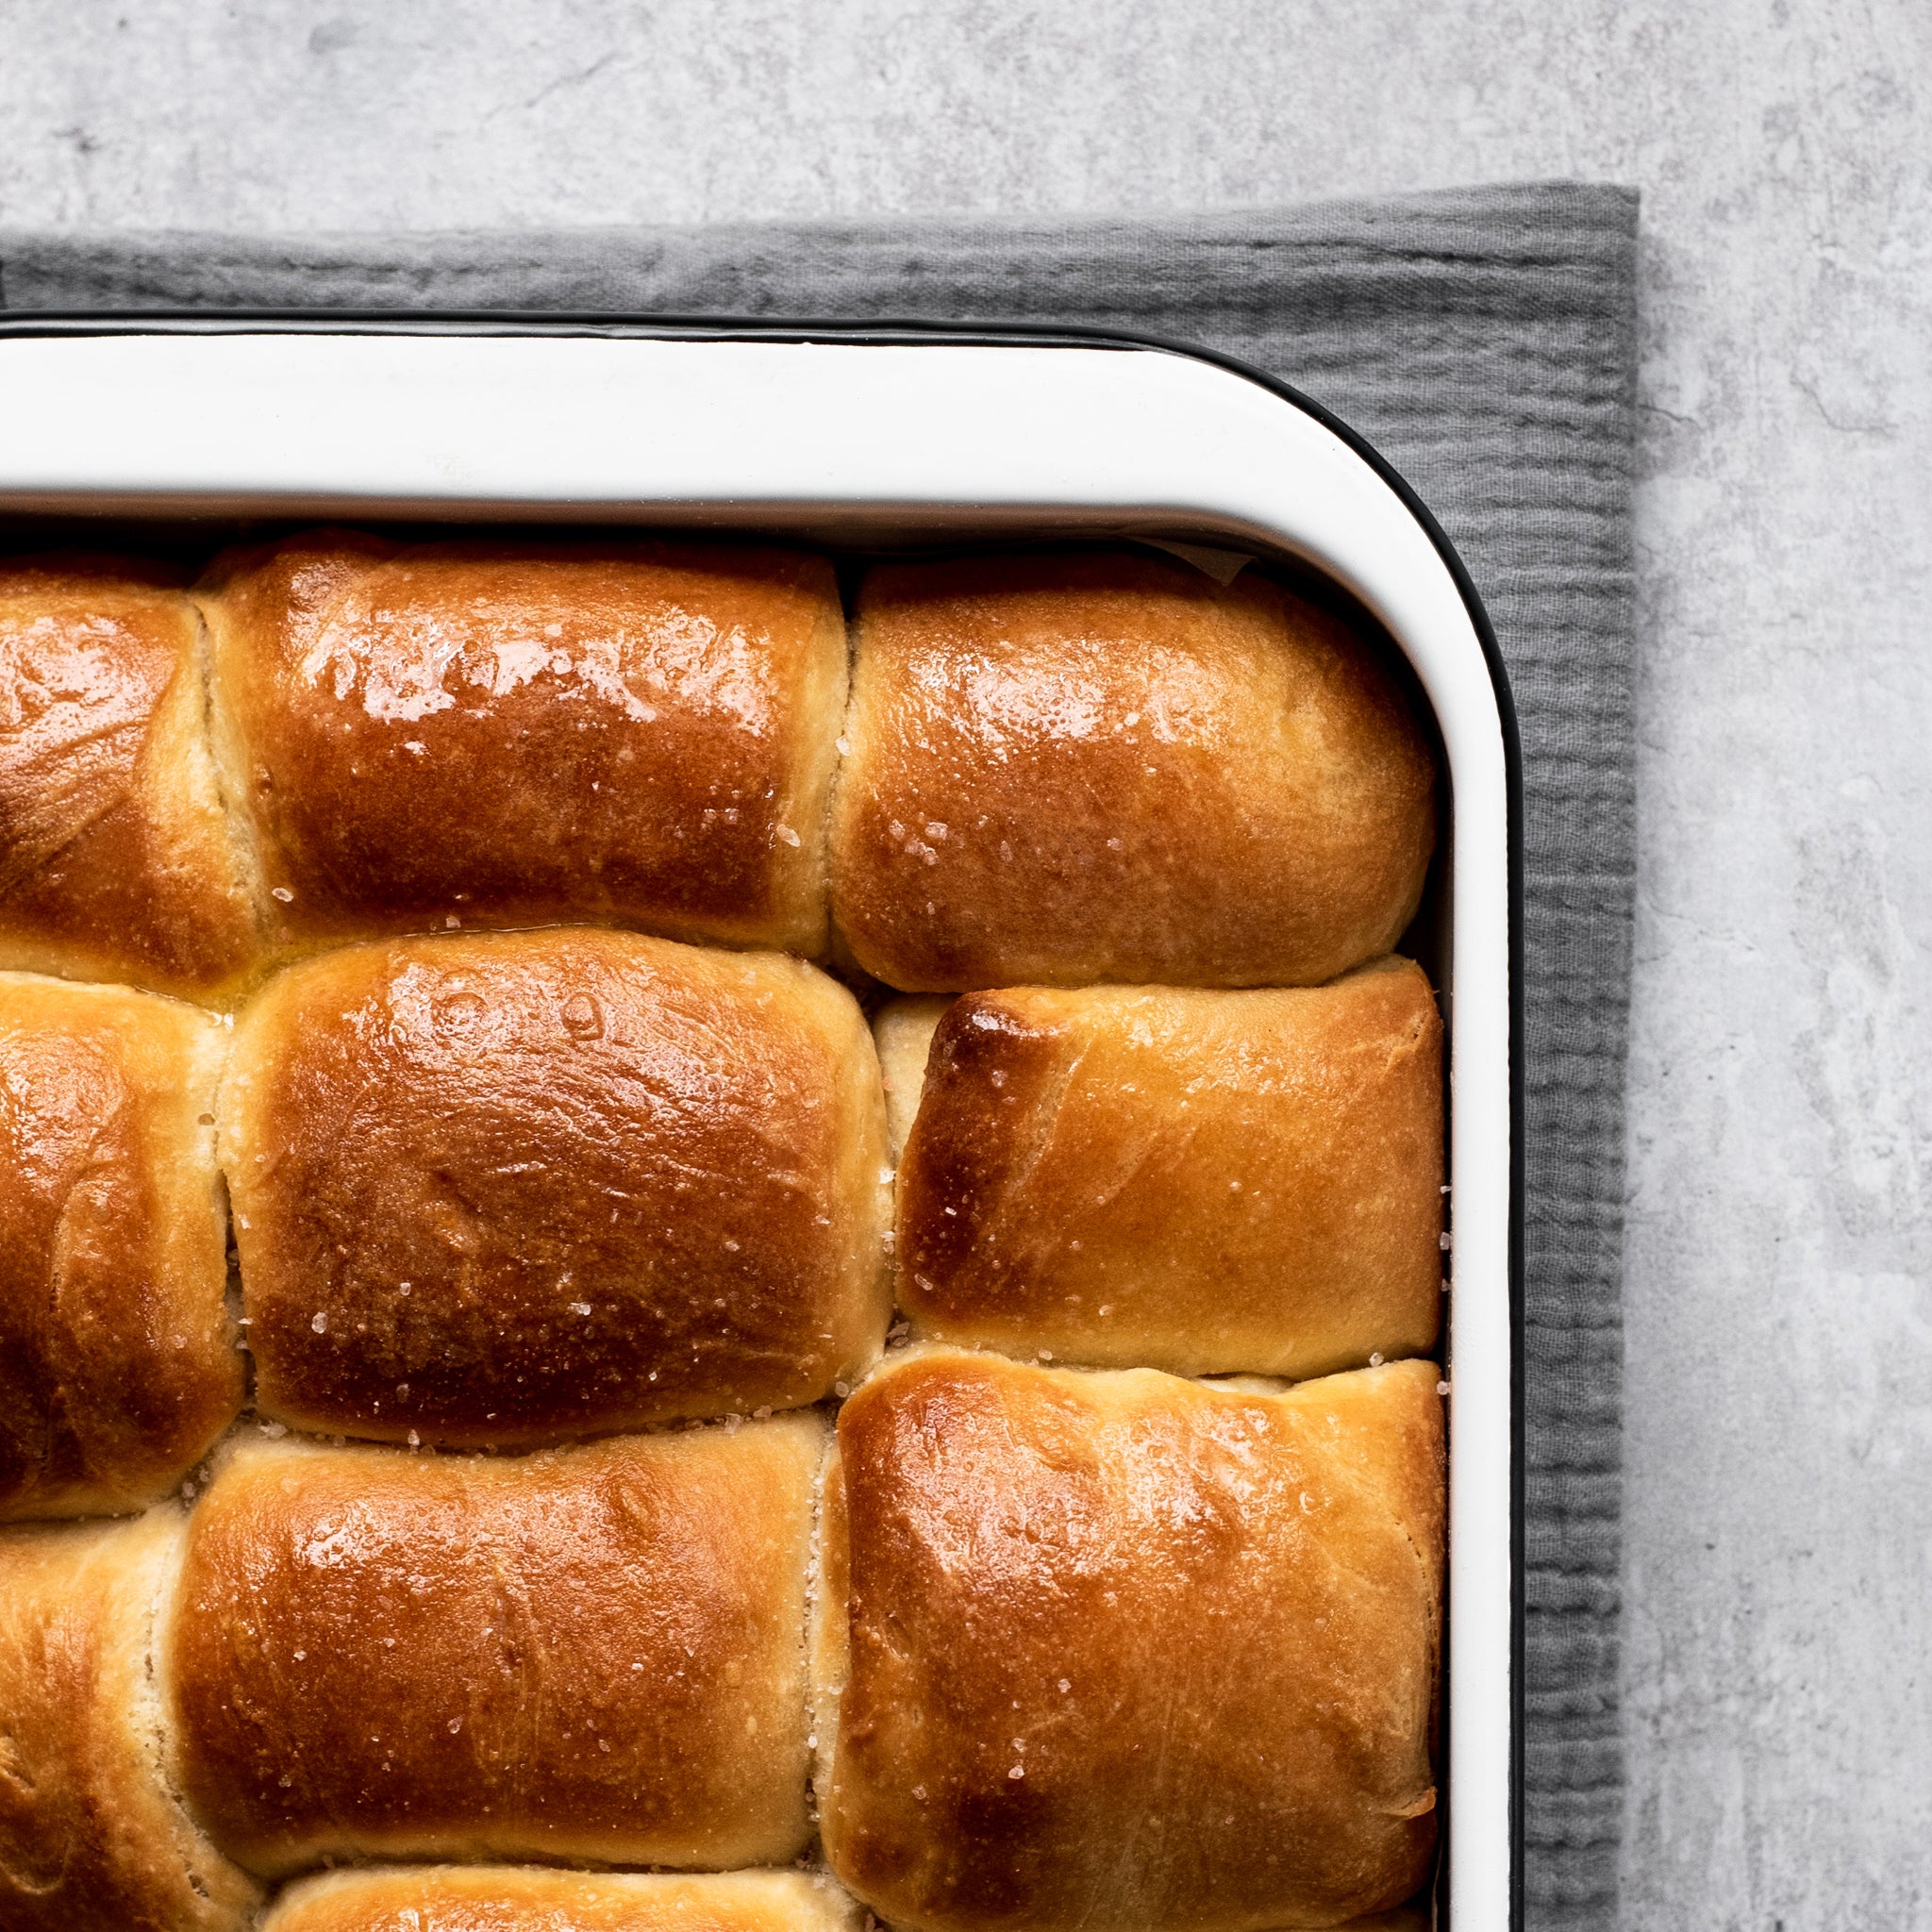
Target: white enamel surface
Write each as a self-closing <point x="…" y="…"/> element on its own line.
<point x="863" y="438"/>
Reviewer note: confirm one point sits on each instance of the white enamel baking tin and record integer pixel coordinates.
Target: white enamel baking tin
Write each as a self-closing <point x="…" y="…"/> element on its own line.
<point x="882" y="443"/>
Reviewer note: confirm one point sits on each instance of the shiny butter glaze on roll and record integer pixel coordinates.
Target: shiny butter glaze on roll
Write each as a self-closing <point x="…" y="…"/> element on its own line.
<point x="516" y="1187"/>
<point x="116" y="858"/>
<point x="1104" y="1651"/>
<point x="93" y="1838"/>
<point x="1098" y="766"/>
<point x="588" y="1654"/>
<point x="118" y="1363"/>
<point x="1205" y="1182"/>
<point x="505" y="733"/>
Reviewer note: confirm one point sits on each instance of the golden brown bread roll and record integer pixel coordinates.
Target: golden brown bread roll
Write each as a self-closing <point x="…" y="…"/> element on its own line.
<point x="1095" y="766"/>
<point x="1124" y="1651"/>
<point x="117" y="1365"/>
<point x="588" y="1654"/>
<point x="91" y="1839"/>
<point x="1199" y="1181"/>
<point x="116" y="858"/>
<point x="502" y="733"/>
<point x="507" y="1188"/>
<point x="457" y="1898"/>
<point x="902" y="1030"/>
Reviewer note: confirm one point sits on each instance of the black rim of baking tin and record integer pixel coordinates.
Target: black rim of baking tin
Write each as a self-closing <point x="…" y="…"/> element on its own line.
<point x="993" y="333"/>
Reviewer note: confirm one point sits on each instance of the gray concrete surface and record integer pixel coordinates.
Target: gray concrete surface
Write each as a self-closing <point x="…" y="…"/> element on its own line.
<point x="1779" y="1649"/>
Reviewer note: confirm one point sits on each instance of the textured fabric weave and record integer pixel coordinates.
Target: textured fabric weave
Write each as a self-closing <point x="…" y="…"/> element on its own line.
<point x="1484" y="340"/>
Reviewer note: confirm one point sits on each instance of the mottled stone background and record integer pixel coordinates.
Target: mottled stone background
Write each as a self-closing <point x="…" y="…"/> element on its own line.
<point x="1778" y="1649"/>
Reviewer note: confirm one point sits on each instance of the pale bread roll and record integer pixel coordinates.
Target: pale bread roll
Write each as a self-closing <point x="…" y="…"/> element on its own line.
<point x="1070" y="767"/>
<point x="590" y="1654"/>
<point x="1113" y="1650"/>
<point x="902" y="1030"/>
<point x="118" y="1362"/>
<point x="513" y="1187"/>
<point x="503" y="733"/>
<point x="117" y="860"/>
<point x="91" y="1838"/>
<point x="1200" y="1181"/>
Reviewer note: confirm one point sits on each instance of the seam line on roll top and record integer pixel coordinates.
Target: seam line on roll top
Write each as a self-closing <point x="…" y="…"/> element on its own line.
<point x="822" y="832"/>
<point x="60" y="1259"/>
<point x="807" y="1644"/>
<point x="244" y="843"/>
<point x="835" y="930"/>
<point x="152" y="1717"/>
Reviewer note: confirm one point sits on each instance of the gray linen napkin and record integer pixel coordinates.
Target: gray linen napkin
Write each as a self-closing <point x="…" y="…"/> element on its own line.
<point x="1484" y="340"/>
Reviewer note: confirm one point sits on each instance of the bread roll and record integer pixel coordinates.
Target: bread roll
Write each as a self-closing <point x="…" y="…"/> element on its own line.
<point x="1123" y="1651"/>
<point x="1095" y="766"/>
<point x="90" y="1840"/>
<point x="516" y="1187"/>
<point x="117" y="1365"/>
<point x="902" y="1030"/>
<point x="1204" y="1182"/>
<point x="501" y="733"/>
<point x="590" y="1654"/>
<point x="456" y="1898"/>
<point x="116" y="860"/>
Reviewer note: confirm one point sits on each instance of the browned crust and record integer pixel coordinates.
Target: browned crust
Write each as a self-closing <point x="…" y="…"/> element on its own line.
<point x="455" y="1898"/>
<point x="510" y="1188"/>
<point x="90" y="1838"/>
<point x="116" y="859"/>
<point x="502" y="734"/>
<point x="591" y="1654"/>
<point x="1204" y="1182"/>
<point x="983" y="1518"/>
<point x="1203" y="1623"/>
<point x="118" y="1366"/>
<point x="1095" y="766"/>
